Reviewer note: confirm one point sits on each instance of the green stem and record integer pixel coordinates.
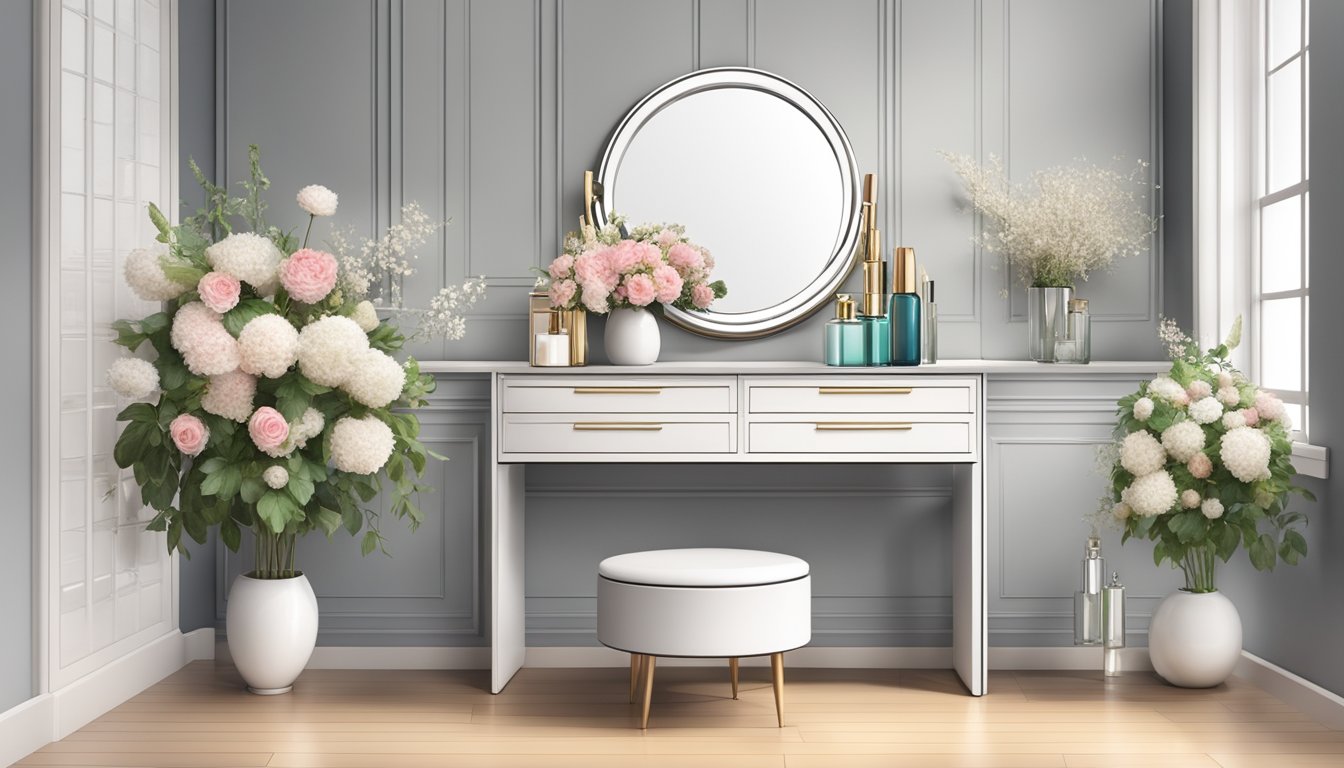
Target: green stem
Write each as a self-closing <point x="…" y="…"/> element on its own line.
<point x="309" y="230"/>
<point x="1199" y="565"/>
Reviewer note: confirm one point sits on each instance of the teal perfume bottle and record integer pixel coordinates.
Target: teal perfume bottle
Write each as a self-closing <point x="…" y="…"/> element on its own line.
<point x="873" y="314"/>
<point x="904" y="314"/>
<point x="845" y="341"/>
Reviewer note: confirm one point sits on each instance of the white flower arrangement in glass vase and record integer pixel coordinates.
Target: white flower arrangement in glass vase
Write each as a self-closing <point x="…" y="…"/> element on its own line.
<point x="1202" y="464"/>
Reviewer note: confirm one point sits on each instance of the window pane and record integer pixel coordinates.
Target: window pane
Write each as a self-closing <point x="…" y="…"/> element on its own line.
<point x="1284" y="18"/>
<point x="1281" y="246"/>
<point x="1295" y="418"/>
<point x="1281" y="344"/>
<point x="1284" y="121"/>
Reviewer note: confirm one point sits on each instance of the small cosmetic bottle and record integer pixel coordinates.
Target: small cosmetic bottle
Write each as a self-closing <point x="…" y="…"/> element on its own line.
<point x="1087" y="601"/>
<point x="876" y="321"/>
<point x="906" y="324"/>
<point x="930" y="324"/>
<point x="845" y="341"/>
<point x="551" y="349"/>
<point x="1113" y="625"/>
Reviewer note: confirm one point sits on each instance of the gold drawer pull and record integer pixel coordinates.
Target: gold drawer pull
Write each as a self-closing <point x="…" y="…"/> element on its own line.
<point x="863" y="426"/>
<point x="618" y="390"/>
<point x="617" y="426"/>
<point x="864" y="390"/>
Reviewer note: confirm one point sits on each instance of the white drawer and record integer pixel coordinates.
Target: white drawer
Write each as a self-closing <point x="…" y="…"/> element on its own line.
<point x="617" y="433"/>
<point x="876" y="434"/>
<point x="870" y="394"/>
<point x="603" y="394"/>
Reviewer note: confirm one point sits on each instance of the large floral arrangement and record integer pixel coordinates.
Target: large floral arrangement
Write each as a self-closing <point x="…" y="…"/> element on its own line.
<point x="1203" y="465"/>
<point x="268" y="395"/>
<point x="1069" y="222"/>
<point x="652" y="266"/>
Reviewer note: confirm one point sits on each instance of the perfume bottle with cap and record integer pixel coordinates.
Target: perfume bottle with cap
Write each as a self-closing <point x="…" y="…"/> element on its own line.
<point x="904" y="311"/>
<point x="930" y="324"/>
<point x="876" y="321"/>
<point x="1113" y="625"/>
<point x="1087" y="601"/>
<point x="845" y="341"/>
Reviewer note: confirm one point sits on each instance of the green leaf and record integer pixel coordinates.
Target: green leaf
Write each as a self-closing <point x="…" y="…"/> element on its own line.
<point x="239" y="316"/>
<point x="230" y="534"/>
<point x="350" y="517"/>
<point x="1159" y="553"/>
<point x="369" y="543"/>
<point x="127" y="335"/>
<point x="291" y="400"/>
<point x="160" y="222"/>
<point x="141" y="412"/>
<point x="300" y="487"/>
<point x="211" y="466"/>
<point x="1226" y="538"/>
<point x="1293" y="548"/>
<point x="179" y="271"/>
<point x="1189" y="526"/>
<point x="327" y="519"/>
<point x="130" y="446"/>
<point x="276" y="509"/>
<point x="252" y="489"/>
<point x="1262" y="552"/>
<point x="173" y="372"/>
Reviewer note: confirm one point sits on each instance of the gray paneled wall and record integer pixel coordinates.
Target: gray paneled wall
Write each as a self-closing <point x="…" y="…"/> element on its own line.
<point x="487" y="113"/>
<point x="16" y="312"/>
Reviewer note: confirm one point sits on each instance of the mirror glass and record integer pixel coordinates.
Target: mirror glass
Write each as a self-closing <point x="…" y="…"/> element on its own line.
<point x="760" y="174"/>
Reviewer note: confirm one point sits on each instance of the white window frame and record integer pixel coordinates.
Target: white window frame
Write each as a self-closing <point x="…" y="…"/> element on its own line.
<point x="1228" y="124"/>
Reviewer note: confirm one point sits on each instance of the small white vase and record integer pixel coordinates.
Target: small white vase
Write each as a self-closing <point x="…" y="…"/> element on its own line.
<point x="272" y="628"/>
<point x="631" y="337"/>
<point x="1194" y="639"/>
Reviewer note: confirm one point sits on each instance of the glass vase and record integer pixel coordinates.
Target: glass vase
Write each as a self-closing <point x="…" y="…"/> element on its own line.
<point x="1047" y="320"/>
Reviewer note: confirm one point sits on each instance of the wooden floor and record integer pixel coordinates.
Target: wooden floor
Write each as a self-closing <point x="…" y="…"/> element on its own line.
<point x="581" y="719"/>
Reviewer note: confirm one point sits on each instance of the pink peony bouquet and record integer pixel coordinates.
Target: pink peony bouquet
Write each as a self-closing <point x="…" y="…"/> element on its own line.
<point x="1203" y="464"/>
<point x="653" y="266"/>
<point x="266" y="395"/>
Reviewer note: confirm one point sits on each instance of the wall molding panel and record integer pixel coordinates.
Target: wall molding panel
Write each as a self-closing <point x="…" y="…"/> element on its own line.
<point x="487" y="112"/>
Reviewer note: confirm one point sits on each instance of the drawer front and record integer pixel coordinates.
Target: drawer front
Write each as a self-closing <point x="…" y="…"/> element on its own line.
<point x="865" y="396"/>
<point x="600" y="394"/>
<point x="877" y="435"/>
<point x="607" y="433"/>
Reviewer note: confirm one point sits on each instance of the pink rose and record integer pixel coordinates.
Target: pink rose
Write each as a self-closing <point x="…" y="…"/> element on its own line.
<point x="685" y="258"/>
<point x="189" y="434"/>
<point x="668" y="283"/>
<point x="308" y="275"/>
<point x="1200" y="466"/>
<point x="702" y="296"/>
<point x="267" y="428"/>
<point x="562" y="292"/>
<point x="639" y="290"/>
<point x="560" y="268"/>
<point x="650" y="255"/>
<point x="667" y="238"/>
<point x="1251" y="416"/>
<point x="1199" y="390"/>
<point x="594" y="297"/>
<point x="624" y="256"/>
<point x="219" y="291"/>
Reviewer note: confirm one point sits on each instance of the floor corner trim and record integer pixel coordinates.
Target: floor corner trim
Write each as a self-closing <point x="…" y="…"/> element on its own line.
<point x="1322" y="705"/>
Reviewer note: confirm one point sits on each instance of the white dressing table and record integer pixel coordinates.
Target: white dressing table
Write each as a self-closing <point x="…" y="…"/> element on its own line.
<point x="744" y="412"/>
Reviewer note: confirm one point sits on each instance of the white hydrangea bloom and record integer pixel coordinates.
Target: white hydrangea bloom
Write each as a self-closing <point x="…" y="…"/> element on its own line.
<point x="1166" y="388"/>
<point x="276" y="477"/>
<point x="1229" y="396"/>
<point x="134" y="378"/>
<point x="1151" y="494"/>
<point x="1212" y="508"/>
<point x="328" y="349"/>
<point x="144" y="273"/>
<point x="230" y="395"/>
<point x="1245" y="452"/>
<point x="1141" y="454"/>
<point x="365" y="316"/>
<point x="1143" y="408"/>
<point x="1190" y="498"/>
<point x="317" y="200"/>
<point x="1233" y="419"/>
<point x="375" y="380"/>
<point x="1206" y="410"/>
<point x="1122" y="511"/>
<point x="267" y="346"/>
<point x="206" y="347"/>
<point x="361" y="446"/>
<point x="307" y="427"/>
<point x="1183" y="440"/>
<point x="247" y="256"/>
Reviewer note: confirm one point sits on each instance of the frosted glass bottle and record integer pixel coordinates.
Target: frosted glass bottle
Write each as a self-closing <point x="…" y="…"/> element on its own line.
<point x="846" y="342"/>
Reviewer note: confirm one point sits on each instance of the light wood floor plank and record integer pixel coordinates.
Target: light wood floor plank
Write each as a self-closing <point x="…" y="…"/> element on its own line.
<point x="582" y="718"/>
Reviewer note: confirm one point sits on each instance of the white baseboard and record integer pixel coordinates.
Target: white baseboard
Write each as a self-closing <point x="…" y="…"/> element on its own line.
<point x="1323" y="706"/>
<point x="26" y="728"/>
<point x="53" y="716"/>
<point x="833" y="657"/>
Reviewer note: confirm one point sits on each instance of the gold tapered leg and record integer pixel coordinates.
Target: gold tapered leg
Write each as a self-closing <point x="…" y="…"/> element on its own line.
<point x="648" y="689"/>
<point x="732" y="673"/>
<point x="636" y="665"/>
<point x="777" y="667"/>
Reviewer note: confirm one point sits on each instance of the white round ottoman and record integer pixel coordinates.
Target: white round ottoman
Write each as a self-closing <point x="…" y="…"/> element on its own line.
<point x="705" y="603"/>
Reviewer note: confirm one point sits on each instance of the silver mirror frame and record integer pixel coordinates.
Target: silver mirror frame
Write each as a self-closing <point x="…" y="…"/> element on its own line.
<point x="767" y="320"/>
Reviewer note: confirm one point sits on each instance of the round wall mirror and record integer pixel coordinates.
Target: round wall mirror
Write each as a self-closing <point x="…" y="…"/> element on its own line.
<point x="760" y="173"/>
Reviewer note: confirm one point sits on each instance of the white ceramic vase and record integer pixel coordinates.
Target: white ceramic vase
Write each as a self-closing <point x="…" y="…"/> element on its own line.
<point x="631" y="337"/>
<point x="272" y="628"/>
<point x="1194" y="639"/>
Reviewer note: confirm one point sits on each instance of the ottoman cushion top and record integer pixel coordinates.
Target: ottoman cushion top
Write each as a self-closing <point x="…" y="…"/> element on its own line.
<point x="703" y="568"/>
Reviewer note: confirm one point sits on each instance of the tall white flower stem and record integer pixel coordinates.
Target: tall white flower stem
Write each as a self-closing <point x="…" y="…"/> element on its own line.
<point x="274" y="554"/>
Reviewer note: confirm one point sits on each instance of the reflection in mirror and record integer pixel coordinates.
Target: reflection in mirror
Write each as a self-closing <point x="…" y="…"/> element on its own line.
<point x="758" y="172"/>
